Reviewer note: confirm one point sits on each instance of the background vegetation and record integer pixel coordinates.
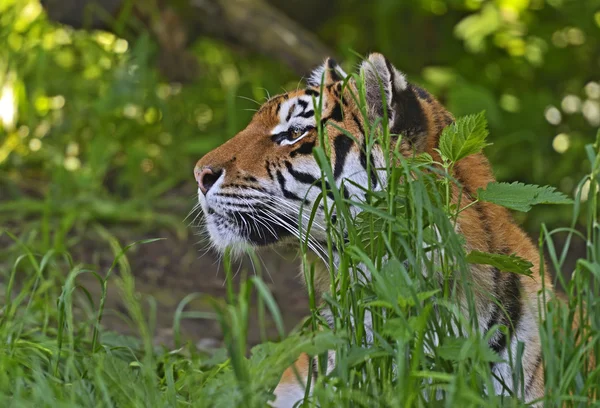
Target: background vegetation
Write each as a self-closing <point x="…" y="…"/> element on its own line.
<point x="87" y="115"/>
<point x="100" y="129"/>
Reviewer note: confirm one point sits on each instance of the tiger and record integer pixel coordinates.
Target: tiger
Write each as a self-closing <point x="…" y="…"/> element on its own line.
<point x="266" y="171"/>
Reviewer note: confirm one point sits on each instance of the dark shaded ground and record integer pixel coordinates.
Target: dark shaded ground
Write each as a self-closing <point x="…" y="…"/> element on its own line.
<point x="174" y="267"/>
<point x="171" y="269"/>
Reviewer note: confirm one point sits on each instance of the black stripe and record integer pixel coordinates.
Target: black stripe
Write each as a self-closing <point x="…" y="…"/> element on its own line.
<point x="496" y="313"/>
<point x="392" y="72"/>
<point x="309" y="179"/>
<point x="303" y="104"/>
<point x="363" y="157"/>
<point x="363" y="163"/>
<point x="358" y="123"/>
<point x="289" y="114"/>
<point x="336" y="114"/>
<point x="268" y="168"/>
<point x="536" y="366"/>
<point x="363" y="152"/>
<point x="345" y="192"/>
<point x="422" y="93"/>
<point x="373" y="174"/>
<point x="496" y="310"/>
<point x="341" y="146"/>
<point x="304" y="148"/>
<point x="287" y="193"/>
<point x="299" y="175"/>
<point x="409" y="118"/>
<point x="311" y="92"/>
<point x="509" y="311"/>
<point x="306" y="114"/>
<point x="334" y="74"/>
<point x="512" y="301"/>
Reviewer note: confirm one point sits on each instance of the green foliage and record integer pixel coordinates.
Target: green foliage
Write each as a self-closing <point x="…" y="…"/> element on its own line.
<point x="521" y="197"/>
<point x="63" y="356"/>
<point x="464" y="137"/>
<point x="98" y="137"/>
<point x="97" y="134"/>
<point x="507" y="263"/>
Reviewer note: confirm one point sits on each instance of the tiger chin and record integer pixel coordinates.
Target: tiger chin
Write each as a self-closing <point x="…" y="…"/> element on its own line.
<point x="252" y="188"/>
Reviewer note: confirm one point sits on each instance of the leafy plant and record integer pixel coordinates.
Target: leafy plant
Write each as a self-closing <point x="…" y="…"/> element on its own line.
<point x="521" y="197"/>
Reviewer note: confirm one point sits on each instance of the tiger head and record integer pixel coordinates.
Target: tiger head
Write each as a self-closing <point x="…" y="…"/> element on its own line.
<point x="258" y="187"/>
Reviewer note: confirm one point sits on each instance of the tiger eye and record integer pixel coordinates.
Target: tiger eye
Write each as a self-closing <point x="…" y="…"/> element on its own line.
<point x="295" y="133"/>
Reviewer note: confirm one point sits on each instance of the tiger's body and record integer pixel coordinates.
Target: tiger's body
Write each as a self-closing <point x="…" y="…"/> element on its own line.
<point x="252" y="187"/>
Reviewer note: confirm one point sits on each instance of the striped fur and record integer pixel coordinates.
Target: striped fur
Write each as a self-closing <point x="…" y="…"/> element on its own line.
<point x="260" y="178"/>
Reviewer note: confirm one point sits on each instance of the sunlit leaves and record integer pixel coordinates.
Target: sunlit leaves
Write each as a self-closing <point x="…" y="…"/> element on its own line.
<point x="521" y="197"/>
<point x="464" y="137"/>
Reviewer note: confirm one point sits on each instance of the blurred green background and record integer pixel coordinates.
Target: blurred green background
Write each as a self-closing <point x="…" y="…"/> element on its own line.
<point x="105" y="110"/>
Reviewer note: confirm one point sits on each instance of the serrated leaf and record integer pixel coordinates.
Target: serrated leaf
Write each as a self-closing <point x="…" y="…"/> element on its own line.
<point x="507" y="263"/>
<point x="423" y="158"/>
<point x="521" y="197"/>
<point x="464" y="137"/>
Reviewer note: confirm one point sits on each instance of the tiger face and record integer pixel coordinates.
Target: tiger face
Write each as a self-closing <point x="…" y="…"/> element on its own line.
<point x="259" y="188"/>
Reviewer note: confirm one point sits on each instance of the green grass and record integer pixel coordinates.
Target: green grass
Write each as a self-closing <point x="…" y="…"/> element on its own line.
<point x="56" y="353"/>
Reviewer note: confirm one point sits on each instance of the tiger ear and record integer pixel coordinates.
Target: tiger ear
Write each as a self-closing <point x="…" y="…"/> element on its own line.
<point x="327" y="73"/>
<point x="387" y="88"/>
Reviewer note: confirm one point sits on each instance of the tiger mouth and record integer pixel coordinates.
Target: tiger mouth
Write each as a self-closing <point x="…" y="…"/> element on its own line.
<point x="262" y="230"/>
<point x="234" y="228"/>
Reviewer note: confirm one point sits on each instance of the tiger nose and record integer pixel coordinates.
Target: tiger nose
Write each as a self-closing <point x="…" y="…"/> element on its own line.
<point x="206" y="178"/>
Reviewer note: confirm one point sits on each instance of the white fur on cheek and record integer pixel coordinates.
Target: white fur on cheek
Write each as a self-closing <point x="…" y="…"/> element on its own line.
<point x="223" y="235"/>
<point x="202" y="201"/>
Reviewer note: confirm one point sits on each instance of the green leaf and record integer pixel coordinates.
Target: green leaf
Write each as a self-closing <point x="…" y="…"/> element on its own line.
<point x="506" y="263"/>
<point x="423" y="158"/>
<point x="519" y="196"/>
<point x="464" y="137"/>
<point x="463" y="349"/>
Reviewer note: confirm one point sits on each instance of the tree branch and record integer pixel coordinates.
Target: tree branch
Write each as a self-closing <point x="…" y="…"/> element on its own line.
<point x="252" y="24"/>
